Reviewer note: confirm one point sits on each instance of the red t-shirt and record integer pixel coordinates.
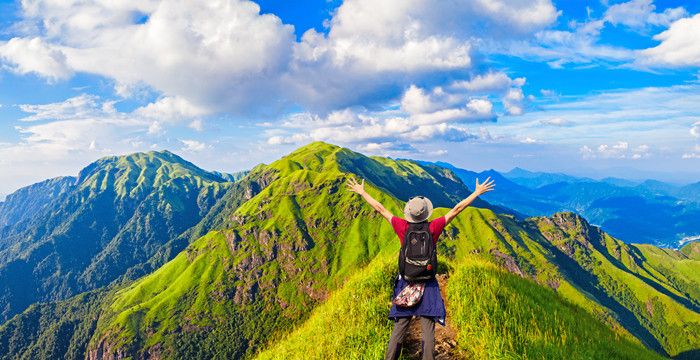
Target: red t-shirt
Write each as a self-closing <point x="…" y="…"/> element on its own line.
<point x="401" y="226"/>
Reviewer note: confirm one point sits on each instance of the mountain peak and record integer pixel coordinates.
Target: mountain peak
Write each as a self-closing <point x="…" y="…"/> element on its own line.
<point x="317" y="147"/>
<point x="153" y="166"/>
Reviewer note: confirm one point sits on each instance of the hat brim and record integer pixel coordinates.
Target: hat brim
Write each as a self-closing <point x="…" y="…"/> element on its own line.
<point x="413" y="219"/>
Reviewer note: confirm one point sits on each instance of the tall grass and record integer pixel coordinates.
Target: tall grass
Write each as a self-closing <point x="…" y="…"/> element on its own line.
<point x="352" y="324"/>
<point x="497" y="315"/>
<point x="501" y="316"/>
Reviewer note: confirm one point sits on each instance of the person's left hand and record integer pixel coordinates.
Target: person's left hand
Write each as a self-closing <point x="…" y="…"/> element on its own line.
<point x="485" y="186"/>
<point x="356" y="187"/>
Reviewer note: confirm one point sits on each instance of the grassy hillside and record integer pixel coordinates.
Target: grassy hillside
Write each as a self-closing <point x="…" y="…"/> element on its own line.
<point x="612" y="272"/>
<point x="69" y="235"/>
<point x="502" y="316"/>
<point x="287" y="245"/>
<point x="497" y="315"/>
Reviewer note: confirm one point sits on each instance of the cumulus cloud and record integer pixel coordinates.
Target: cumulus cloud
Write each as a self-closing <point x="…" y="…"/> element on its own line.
<point x="640" y="14"/>
<point x="493" y="81"/>
<point x="580" y="43"/>
<point x="371" y="48"/>
<point x="679" y="45"/>
<point x="33" y="55"/>
<point x="227" y="56"/>
<point x="370" y="128"/>
<point x="172" y="109"/>
<point x="221" y="55"/>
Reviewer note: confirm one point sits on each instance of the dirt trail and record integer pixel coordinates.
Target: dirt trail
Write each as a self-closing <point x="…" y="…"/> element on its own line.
<point x="445" y="336"/>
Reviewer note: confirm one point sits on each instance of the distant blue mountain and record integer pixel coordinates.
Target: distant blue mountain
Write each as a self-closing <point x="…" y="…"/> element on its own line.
<point x="649" y="211"/>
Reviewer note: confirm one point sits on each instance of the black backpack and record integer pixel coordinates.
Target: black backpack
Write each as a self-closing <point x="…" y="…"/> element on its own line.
<point x="417" y="257"/>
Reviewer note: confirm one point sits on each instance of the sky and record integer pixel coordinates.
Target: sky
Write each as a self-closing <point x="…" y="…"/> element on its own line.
<point x="592" y="88"/>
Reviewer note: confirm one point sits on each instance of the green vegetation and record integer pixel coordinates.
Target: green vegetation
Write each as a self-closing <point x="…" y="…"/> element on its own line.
<point x="352" y="324"/>
<point x="502" y="316"/>
<point x="86" y="232"/>
<point x="270" y="265"/>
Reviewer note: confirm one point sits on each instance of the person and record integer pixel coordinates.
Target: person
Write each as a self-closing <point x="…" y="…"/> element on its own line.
<point x="431" y="307"/>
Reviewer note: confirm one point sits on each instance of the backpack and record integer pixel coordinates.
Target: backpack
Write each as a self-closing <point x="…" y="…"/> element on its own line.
<point x="418" y="256"/>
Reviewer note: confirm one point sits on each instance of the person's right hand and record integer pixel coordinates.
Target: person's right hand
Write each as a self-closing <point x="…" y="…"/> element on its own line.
<point x="356" y="187"/>
<point x="484" y="187"/>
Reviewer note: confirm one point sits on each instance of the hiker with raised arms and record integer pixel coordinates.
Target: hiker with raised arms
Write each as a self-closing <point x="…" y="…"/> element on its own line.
<point x="416" y="290"/>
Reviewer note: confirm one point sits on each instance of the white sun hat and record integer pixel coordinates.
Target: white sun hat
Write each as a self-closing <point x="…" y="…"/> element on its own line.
<point x="418" y="209"/>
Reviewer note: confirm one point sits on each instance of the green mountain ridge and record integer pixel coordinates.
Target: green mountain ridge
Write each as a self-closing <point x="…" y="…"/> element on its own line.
<point x="88" y="231"/>
<point x="286" y="249"/>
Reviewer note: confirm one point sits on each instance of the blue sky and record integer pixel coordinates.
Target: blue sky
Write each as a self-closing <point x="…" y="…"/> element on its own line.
<point x="597" y="88"/>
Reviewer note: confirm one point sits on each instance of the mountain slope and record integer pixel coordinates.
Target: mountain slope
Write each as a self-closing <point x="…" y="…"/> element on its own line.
<point x="289" y="244"/>
<point x="87" y="231"/>
<point x="649" y="212"/>
<point x="497" y="314"/>
<point x="613" y="273"/>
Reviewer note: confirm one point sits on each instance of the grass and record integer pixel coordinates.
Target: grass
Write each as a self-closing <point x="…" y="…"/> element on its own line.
<point x="309" y="255"/>
<point x="352" y="324"/>
<point x="502" y="316"/>
<point x="498" y="316"/>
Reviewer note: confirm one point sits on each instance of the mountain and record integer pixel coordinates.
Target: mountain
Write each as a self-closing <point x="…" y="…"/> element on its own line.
<point x="291" y="265"/>
<point x="535" y="179"/>
<point x="648" y="212"/>
<point x="67" y="235"/>
<point x="232" y="177"/>
<point x="511" y="194"/>
<point x="690" y="192"/>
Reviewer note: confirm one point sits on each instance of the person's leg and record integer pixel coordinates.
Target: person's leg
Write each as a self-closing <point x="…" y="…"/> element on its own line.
<point x="397" y="336"/>
<point x="428" y="328"/>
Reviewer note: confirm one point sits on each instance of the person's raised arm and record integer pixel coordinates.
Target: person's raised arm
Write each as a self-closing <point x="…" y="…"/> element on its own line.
<point x="479" y="189"/>
<point x="356" y="187"/>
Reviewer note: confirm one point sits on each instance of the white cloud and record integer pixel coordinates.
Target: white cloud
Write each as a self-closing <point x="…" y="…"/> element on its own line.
<point x="556" y="121"/>
<point x="529" y="140"/>
<point x="513" y="101"/>
<point x="193" y="145"/>
<point x="640" y="14"/>
<point x="226" y="56"/>
<point x="580" y="44"/>
<point x="78" y="107"/>
<point x="693" y="154"/>
<point x="221" y="55"/>
<point x="654" y="114"/>
<point x="549" y="93"/>
<point x="618" y="150"/>
<point x="375" y="128"/>
<point x="680" y="45"/>
<point x="371" y="48"/>
<point x="561" y="47"/>
<point x="282" y="140"/>
<point x="33" y="55"/>
<point x="489" y="82"/>
<point x="76" y="124"/>
<point x="170" y="109"/>
<point x="587" y="152"/>
<point x="416" y="101"/>
<point x="695" y="130"/>
<point x="196" y="124"/>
